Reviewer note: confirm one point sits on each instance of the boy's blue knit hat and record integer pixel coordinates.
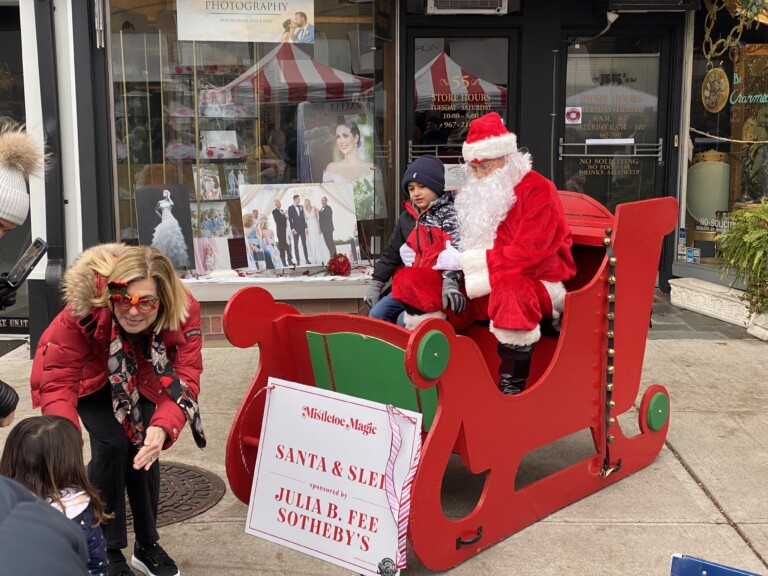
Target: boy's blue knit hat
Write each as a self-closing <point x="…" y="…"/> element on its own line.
<point x="427" y="171"/>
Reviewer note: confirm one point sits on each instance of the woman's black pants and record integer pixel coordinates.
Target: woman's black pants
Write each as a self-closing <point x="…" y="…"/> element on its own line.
<point x="111" y="470"/>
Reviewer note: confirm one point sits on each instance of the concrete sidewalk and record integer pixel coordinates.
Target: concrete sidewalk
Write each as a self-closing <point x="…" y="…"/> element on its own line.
<point x="705" y="495"/>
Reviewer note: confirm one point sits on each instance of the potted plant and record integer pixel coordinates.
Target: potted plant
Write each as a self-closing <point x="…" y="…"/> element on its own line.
<point x="743" y="250"/>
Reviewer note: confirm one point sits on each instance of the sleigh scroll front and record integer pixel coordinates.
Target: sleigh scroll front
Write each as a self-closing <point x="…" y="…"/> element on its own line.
<point x="348" y="354"/>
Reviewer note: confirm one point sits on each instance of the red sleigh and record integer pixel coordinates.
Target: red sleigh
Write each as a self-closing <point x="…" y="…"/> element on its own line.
<point x="584" y="379"/>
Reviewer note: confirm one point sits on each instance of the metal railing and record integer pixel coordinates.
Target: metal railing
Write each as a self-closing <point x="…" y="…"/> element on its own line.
<point x="448" y="153"/>
<point x="613" y="149"/>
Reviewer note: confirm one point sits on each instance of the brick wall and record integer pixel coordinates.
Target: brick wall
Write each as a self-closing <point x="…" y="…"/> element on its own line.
<point x="211" y="313"/>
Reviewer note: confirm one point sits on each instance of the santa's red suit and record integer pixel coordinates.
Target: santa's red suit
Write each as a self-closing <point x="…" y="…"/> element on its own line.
<point x="516" y="244"/>
<point x="519" y="279"/>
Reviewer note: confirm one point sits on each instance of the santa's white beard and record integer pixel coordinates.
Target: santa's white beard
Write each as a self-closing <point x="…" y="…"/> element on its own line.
<point x="482" y="204"/>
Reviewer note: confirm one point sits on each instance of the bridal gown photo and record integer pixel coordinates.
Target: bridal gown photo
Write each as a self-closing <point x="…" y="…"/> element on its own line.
<point x="318" y="252"/>
<point x="169" y="238"/>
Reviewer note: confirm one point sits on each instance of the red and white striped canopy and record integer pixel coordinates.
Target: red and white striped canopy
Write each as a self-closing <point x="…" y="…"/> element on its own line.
<point x="287" y="74"/>
<point x="443" y="84"/>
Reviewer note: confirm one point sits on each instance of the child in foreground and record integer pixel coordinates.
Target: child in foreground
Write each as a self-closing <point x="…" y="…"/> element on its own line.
<point x="427" y="222"/>
<point x="45" y="454"/>
<point x="425" y="291"/>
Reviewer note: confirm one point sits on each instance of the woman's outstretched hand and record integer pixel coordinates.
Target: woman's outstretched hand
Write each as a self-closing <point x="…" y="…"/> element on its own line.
<point x="154" y="439"/>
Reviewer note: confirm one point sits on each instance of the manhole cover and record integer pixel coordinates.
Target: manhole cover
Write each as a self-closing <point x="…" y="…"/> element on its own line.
<point x="185" y="492"/>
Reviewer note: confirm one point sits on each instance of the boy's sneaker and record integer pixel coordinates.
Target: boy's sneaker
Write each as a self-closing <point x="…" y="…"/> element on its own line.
<point x="152" y="560"/>
<point x="120" y="568"/>
<point x="117" y="564"/>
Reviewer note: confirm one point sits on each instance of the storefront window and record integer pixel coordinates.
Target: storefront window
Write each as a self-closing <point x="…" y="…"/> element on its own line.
<point x="250" y="155"/>
<point x="611" y="148"/>
<point x="728" y="167"/>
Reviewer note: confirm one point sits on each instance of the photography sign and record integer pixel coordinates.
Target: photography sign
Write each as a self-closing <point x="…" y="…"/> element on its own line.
<point x="332" y="475"/>
<point x="245" y="20"/>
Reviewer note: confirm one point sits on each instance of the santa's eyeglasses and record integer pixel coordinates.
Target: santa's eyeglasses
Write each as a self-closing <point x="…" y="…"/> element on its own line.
<point x="480" y="167"/>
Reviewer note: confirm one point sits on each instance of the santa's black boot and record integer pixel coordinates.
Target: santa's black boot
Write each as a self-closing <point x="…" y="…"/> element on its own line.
<point x="514" y="368"/>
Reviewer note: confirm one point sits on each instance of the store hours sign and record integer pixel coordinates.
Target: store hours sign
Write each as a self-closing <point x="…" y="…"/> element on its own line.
<point x="320" y="483"/>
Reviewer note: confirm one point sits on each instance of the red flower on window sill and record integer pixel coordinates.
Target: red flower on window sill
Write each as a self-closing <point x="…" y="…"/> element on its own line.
<point x="338" y="265"/>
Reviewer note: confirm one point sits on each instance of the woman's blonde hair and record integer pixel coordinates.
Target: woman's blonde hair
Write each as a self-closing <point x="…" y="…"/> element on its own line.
<point x="141" y="263"/>
<point x="247" y="220"/>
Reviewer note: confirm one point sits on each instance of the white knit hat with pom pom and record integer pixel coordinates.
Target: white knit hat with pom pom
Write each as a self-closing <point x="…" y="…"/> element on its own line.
<point x="20" y="158"/>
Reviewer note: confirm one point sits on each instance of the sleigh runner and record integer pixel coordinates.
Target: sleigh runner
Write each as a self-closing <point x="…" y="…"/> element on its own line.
<point x="587" y="377"/>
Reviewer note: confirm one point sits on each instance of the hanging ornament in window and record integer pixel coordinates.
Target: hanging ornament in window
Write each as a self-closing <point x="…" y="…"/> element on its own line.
<point x="715" y="89"/>
<point x="744" y="13"/>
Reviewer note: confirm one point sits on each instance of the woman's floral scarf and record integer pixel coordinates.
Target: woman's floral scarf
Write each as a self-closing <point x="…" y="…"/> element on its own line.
<point x="122" y="370"/>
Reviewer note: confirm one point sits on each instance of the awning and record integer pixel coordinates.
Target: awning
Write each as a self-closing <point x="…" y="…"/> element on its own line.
<point x="287" y="74"/>
<point x="444" y="82"/>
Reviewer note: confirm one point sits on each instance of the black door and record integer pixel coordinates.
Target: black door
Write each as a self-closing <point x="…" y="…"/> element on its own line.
<point x="619" y="131"/>
<point x="615" y="119"/>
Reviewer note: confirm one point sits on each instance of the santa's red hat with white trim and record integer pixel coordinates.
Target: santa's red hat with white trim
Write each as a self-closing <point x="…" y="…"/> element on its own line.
<point x="488" y="139"/>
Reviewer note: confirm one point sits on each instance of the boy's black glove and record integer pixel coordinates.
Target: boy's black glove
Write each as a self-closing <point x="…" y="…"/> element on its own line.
<point x="452" y="297"/>
<point x="7" y="294"/>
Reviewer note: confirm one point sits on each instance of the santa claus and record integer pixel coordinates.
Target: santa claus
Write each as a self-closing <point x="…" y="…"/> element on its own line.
<point x="515" y="245"/>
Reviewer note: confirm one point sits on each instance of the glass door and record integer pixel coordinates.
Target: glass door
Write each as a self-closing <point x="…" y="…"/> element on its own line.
<point x="15" y="319"/>
<point x="611" y="147"/>
<point x="456" y="78"/>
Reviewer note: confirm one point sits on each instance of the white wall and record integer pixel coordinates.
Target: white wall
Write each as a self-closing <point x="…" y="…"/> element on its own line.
<point x="69" y="160"/>
<point x="34" y="116"/>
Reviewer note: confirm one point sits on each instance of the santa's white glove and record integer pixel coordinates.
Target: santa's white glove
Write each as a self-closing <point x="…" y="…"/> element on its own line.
<point x="407" y="254"/>
<point x="448" y="259"/>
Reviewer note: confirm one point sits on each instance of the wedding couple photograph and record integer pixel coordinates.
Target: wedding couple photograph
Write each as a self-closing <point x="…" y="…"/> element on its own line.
<point x="288" y="225"/>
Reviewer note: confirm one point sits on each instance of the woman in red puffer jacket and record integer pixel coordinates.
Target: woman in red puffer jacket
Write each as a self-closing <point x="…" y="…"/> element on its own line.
<point x="125" y="356"/>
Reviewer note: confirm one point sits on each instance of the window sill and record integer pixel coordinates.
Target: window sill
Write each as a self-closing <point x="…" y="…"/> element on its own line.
<point x="706" y="272"/>
<point x="283" y="289"/>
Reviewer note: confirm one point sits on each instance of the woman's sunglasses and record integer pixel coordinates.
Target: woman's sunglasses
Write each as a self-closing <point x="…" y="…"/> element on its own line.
<point x="144" y="305"/>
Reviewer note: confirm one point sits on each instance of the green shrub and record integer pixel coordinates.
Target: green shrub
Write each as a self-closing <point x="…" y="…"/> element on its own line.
<point x="743" y="250"/>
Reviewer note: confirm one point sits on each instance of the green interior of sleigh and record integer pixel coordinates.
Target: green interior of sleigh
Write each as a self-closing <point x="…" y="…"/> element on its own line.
<point x="368" y="368"/>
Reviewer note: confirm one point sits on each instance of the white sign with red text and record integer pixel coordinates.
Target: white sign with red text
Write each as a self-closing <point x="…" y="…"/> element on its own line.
<point x="246" y="21"/>
<point x="319" y="481"/>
